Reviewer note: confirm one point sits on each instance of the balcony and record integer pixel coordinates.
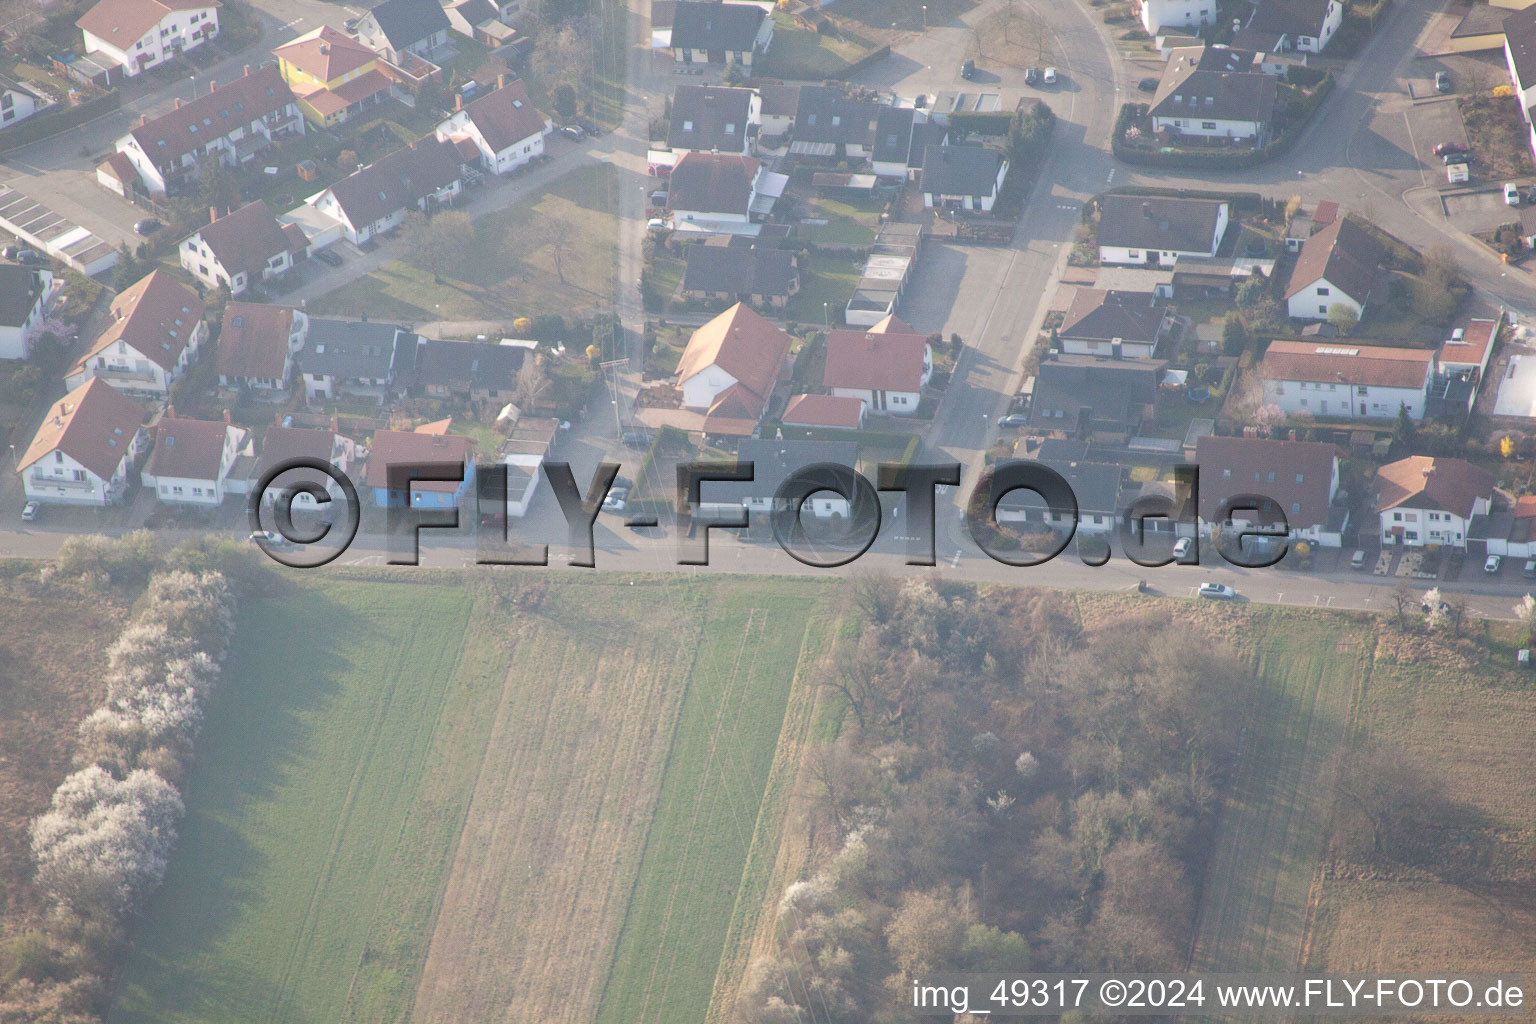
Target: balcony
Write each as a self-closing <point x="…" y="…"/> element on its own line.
<point x="68" y="484"/>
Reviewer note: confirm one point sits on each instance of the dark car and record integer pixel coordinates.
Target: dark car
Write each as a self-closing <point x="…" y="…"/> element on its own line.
<point x="590" y="127"/>
<point x="637" y="438"/>
<point x="147" y="226"/>
<point x="659" y="197"/>
<point x="572" y="132"/>
<point x="1031" y="76"/>
<point x="329" y="257"/>
<point x="28" y="258"/>
<point x="1464" y="157"/>
<point x="1013" y="420"/>
<point x="1450" y="147"/>
<point x="1442" y="81"/>
<point x="968" y="70"/>
<point x="1148" y="85"/>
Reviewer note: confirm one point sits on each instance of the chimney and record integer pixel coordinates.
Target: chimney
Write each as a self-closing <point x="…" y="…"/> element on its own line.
<point x="501" y="81"/>
<point x="458" y="101"/>
<point x="226" y="417"/>
<point x="213" y="214"/>
<point x="178" y="104"/>
<point x="1146" y="210"/>
<point x="247" y="71"/>
<point x="170" y="411"/>
<point x="213" y="86"/>
<point x="143" y="120"/>
<point x="335" y="424"/>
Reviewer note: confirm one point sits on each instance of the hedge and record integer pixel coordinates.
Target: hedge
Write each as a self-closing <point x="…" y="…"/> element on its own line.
<point x="996" y="122"/>
<point x="48" y="124"/>
<point x="1214" y="158"/>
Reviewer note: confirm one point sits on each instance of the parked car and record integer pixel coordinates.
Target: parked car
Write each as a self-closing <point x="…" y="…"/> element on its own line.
<point x="1442" y="81"/>
<point x="1529" y="570"/>
<point x="572" y="132"/>
<point x="616" y="499"/>
<point x="1013" y="420"/>
<point x="1049" y="78"/>
<point x="1217" y="591"/>
<point x="1031" y="76"/>
<point x="659" y="197"/>
<point x="28" y="258"/>
<point x="330" y="257"/>
<point x="1148" y="85"/>
<point x="19" y="253"/>
<point x="1450" y="147"/>
<point x="30" y="511"/>
<point x="1357" y="560"/>
<point x="1491" y="566"/>
<point x="968" y="70"/>
<point x="655" y="224"/>
<point x="1511" y="194"/>
<point x="1181" y="547"/>
<point x="270" y="538"/>
<point x="637" y="439"/>
<point x="590" y="127"/>
<point x="147" y="226"/>
<point x="1463" y="157"/>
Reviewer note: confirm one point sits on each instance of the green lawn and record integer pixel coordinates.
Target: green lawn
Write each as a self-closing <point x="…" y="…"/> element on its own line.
<point x="798" y="53"/>
<point x="691" y="878"/>
<point x="851" y="220"/>
<point x="830" y="280"/>
<point x="514" y="272"/>
<point x="304" y="883"/>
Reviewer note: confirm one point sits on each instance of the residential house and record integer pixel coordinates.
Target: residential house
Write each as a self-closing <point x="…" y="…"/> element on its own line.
<point x="1299" y="479"/>
<point x="1422" y="500"/>
<point x="833" y="125"/>
<point x="902" y="136"/>
<point x="1156" y="15"/>
<point x="19" y="101"/>
<point x="155" y="332"/>
<point x="774" y="463"/>
<point x="1095" y="485"/>
<point x="257" y="347"/>
<point x="486" y="22"/>
<point x="1340" y="265"/>
<point x="1214" y="92"/>
<point x="832" y="412"/>
<point x="962" y="177"/>
<point x="506" y="129"/>
<point x="281" y="447"/>
<point x="245" y="248"/>
<point x="1116" y="324"/>
<point x="1136" y="230"/>
<point x="779" y="105"/>
<point x="192" y="460"/>
<point x="708" y="32"/>
<point x="1520" y="58"/>
<point x="885" y="367"/>
<point x="1305" y="26"/>
<point x="230" y="123"/>
<point x="397" y="28"/>
<point x="729" y="369"/>
<point x="1346" y="381"/>
<point x="713" y="119"/>
<point x="422" y="176"/>
<point x="333" y="76"/>
<point x="759" y="276"/>
<point x="25" y="293"/>
<point x="136" y="35"/>
<point x="353" y="357"/>
<point x="719" y="191"/>
<point x="1469" y="348"/>
<point x="1089" y="398"/>
<point x="468" y="370"/>
<point x="422" y="446"/>
<point x="84" y="451"/>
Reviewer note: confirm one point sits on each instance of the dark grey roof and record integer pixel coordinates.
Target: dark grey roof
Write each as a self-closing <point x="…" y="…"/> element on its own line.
<point x="407" y="22"/>
<point x="1059" y="449"/>
<point x="1291" y="17"/>
<point x="825" y="114"/>
<point x="1095" y="484"/>
<point x="739" y="270"/>
<point x="778" y="100"/>
<point x="773" y="462"/>
<point x="708" y="117"/>
<point x="1158" y="222"/>
<point x="893" y="134"/>
<point x="961" y="170"/>
<point x="712" y="183"/>
<point x="1096" y="315"/>
<point x="19" y="289"/>
<point x="1215" y="83"/>
<point x="463" y="366"/>
<point x="715" y="26"/>
<point x="1520" y="36"/>
<point x="398" y="181"/>
<point x="1081" y="393"/>
<point x="349" y="350"/>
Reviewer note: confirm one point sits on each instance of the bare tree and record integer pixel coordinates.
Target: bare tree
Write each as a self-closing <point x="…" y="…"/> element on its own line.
<point x="561" y="255"/>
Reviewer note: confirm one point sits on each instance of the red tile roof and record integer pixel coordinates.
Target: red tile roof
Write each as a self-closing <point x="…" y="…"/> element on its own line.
<point x="742" y="343"/>
<point x="190" y="449"/>
<point x="884" y="361"/>
<point x="1476" y="338"/>
<point x="253" y="341"/>
<point x="506" y="117"/>
<point x="156" y="316"/>
<point x="243" y="241"/>
<point x="93" y="424"/>
<point x="1344" y="254"/>
<point x="325" y="53"/>
<point x="824" y="411"/>
<point x="124" y="22"/>
<point x="1291" y="473"/>
<point x="400" y="447"/>
<point x="1447" y="485"/>
<point x="213" y="115"/>
<point x="1342" y="362"/>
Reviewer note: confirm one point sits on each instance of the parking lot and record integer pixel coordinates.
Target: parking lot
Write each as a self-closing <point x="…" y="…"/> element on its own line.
<point x="1430" y="123"/>
<point x="1482" y="210"/>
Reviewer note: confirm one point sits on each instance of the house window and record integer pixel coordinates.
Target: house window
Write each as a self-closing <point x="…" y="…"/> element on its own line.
<point x="1397" y="517"/>
<point x="1226" y="474"/>
<point x="1209" y="126"/>
<point x="1322" y="291"/>
<point x="1322" y="309"/>
<point x="1295" y="508"/>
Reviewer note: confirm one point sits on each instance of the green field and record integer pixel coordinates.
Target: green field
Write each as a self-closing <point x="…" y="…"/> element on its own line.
<point x="560" y="801"/>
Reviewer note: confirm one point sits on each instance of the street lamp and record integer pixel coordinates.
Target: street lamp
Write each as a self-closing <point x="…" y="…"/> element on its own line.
<point x="925" y="17"/>
<point x="826" y="321"/>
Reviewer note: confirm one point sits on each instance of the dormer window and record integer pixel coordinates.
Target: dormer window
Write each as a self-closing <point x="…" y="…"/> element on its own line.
<point x="687" y="126"/>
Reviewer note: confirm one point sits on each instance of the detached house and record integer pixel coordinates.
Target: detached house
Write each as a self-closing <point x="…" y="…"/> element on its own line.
<point x="1299" y="478"/>
<point x="192" y="460"/>
<point x="1339" y="265"/>
<point x="84" y="452"/>
<point x="424" y="446"/>
<point x="832" y="125"/>
<point x="1156" y="15"/>
<point x="713" y="119"/>
<point x="774" y="463"/>
<point x="473" y="370"/>
<point x="356" y="358"/>
<point x="962" y="177"/>
<point x="245" y="248"/>
<point x="709" y="32"/>
<point x="1421" y="500"/>
<point x="1520" y="57"/>
<point x="484" y="21"/>
<point x="1114" y="323"/>
<point x="503" y="126"/>
<point x="1214" y="92"/>
<point x="139" y="34"/>
<point x="397" y="29"/>
<point x="740" y="273"/>
<point x="1305" y="26"/>
<point x="1140" y="230"/>
<point x="281" y="446"/>
<point x="25" y="293"/>
<point x="1086" y="398"/>
<point x="333" y="76"/>
<point x="717" y="191"/>
<point x="1346" y="381"/>
<point x="423" y="176"/>
<point x="231" y="124"/>
<point x="730" y="368"/>
<point x="156" y="330"/>
<point x="886" y="367"/>
<point x="257" y="346"/>
<point x="19" y="101"/>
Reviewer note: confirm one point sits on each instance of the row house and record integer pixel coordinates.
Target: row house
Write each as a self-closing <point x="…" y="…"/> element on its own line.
<point x="1346" y="381"/>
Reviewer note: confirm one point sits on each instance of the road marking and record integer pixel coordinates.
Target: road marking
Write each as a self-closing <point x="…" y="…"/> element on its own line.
<point x="954" y="563"/>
